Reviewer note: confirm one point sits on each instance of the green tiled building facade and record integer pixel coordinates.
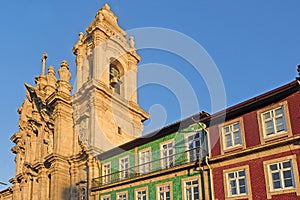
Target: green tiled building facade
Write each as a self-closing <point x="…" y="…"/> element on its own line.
<point x="160" y="165"/>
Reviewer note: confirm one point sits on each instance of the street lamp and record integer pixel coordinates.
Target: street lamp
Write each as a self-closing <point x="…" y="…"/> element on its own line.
<point x="1" y="183"/>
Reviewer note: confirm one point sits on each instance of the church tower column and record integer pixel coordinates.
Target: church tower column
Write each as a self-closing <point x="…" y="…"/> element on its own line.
<point x="63" y="136"/>
<point x="98" y="59"/>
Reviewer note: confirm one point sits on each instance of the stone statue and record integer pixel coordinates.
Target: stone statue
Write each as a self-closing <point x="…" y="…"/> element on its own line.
<point x="25" y="112"/>
<point x="64" y="73"/>
<point x="131" y="42"/>
<point x="49" y="142"/>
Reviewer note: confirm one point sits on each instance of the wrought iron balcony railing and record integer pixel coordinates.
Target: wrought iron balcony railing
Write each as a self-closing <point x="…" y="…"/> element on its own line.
<point x="164" y="163"/>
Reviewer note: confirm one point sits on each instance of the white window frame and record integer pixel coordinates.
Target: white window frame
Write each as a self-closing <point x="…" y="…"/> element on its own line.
<point x="272" y="119"/>
<point x="235" y="146"/>
<point x="185" y="189"/>
<point x="167" y="160"/>
<point x="105" y="197"/>
<point x="236" y="179"/>
<point x="232" y="132"/>
<point x="164" y="192"/>
<point x="269" y="181"/>
<point x="227" y="183"/>
<point x="285" y="133"/>
<point x="137" y="196"/>
<point x="145" y="161"/>
<point x="280" y="170"/>
<point x="123" y="170"/>
<point x="120" y="195"/>
<point x="194" y="151"/>
<point x="106" y="172"/>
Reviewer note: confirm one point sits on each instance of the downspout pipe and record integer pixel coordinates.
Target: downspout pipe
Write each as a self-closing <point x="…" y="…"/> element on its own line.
<point x="211" y="178"/>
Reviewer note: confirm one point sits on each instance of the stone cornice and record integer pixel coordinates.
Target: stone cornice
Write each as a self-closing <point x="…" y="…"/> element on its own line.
<point x="102" y="88"/>
<point x="15" y="137"/>
<point x="52" y="158"/>
<point x="59" y="96"/>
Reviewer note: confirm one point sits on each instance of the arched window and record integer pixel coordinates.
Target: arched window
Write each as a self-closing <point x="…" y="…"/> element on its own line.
<point x="114" y="76"/>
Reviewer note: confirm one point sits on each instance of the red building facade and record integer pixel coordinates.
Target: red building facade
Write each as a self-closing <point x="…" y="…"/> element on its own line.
<point x="255" y="153"/>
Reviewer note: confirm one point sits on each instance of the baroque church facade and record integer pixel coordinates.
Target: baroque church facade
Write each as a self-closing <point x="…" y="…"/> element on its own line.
<point x="59" y="134"/>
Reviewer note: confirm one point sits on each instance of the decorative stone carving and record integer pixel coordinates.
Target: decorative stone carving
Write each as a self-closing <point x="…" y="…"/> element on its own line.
<point x="25" y="112"/>
<point x="51" y="81"/>
<point x="98" y="37"/>
<point x="64" y="73"/>
<point x="49" y="142"/>
<point x="105" y="14"/>
<point x="83" y="128"/>
<point x="131" y="42"/>
<point x="65" y="76"/>
<point x="78" y="49"/>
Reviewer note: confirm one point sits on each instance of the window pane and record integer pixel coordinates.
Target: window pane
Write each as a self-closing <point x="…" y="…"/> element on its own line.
<point x="243" y="190"/>
<point x="226" y="129"/>
<point x="288" y="183"/>
<point x="242" y="182"/>
<point x="276" y="185"/>
<point x="275" y="176"/>
<point x="231" y="175"/>
<point x="233" y="183"/>
<point x="287" y="174"/>
<point x="242" y="173"/>
<point x="273" y="167"/>
<point x="233" y="191"/>
<point x="269" y="128"/>
<point x="286" y="164"/>
<point x="237" y="138"/>
<point x="228" y="140"/>
<point x="267" y="115"/>
<point x="279" y="111"/>
<point x="280" y="124"/>
<point x="236" y="126"/>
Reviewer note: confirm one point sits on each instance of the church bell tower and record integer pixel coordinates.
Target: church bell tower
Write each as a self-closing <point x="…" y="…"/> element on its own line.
<point x="106" y="113"/>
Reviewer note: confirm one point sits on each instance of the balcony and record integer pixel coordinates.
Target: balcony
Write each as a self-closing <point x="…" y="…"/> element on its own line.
<point x="162" y="164"/>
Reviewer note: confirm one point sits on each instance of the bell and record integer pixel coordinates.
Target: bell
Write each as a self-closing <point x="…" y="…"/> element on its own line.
<point x="114" y="81"/>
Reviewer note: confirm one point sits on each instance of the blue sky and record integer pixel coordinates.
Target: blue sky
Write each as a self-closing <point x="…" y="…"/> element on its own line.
<point x="255" y="45"/>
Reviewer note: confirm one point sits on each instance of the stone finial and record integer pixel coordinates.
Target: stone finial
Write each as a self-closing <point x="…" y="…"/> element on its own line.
<point x="51" y="81"/>
<point x="45" y="55"/>
<point x="63" y="72"/>
<point x="106" y="7"/>
<point x="106" y="13"/>
<point x="65" y="76"/>
<point x="51" y="70"/>
<point x="81" y="35"/>
<point x="64" y="64"/>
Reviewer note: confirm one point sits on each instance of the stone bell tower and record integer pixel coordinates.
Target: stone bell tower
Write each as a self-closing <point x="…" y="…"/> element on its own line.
<point x="106" y="113"/>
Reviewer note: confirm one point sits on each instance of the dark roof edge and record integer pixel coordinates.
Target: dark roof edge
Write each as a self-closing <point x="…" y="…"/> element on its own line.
<point x="219" y="117"/>
<point x="164" y="131"/>
<point x="254" y="103"/>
